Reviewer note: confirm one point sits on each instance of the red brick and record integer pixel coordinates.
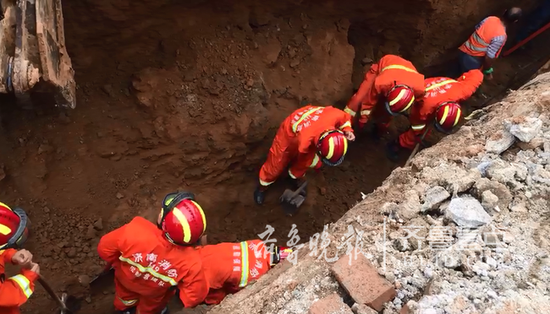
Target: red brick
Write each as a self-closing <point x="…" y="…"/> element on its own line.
<point x="363" y="283"/>
<point x="331" y="304"/>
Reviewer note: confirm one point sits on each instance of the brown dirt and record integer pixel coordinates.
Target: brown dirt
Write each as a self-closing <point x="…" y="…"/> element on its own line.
<point x="188" y="96"/>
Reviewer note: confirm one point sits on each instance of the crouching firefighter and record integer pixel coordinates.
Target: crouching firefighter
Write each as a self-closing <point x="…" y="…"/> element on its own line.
<point x="151" y="261"/>
<point x="439" y="107"/>
<point x="15" y="290"/>
<point x="389" y="89"/>
<point x="229" y="267"/>
<point x="309" y="137"/>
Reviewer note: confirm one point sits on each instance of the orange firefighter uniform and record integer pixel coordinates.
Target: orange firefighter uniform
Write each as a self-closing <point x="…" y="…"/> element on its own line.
<point x="390" y="71"/>
<point x="438" y="91"/>
<point x="229" y="267"/>
<point x="148" y="268"/>
<point x="296" y="141"/>
<point x="16" y="290"/>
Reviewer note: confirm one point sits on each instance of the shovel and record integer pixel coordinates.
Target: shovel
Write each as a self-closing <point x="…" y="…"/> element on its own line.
<point x="102" y="280"/>
<point x="292" y="200"/>
<point x="63" y="302"/>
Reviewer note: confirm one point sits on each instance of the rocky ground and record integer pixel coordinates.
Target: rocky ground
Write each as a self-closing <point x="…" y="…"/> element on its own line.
<point x="464" y="229"/>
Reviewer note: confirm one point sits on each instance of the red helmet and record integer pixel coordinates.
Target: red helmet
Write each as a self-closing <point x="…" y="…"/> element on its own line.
<point x="183" y="220"/>
<point x="447" y="116"/>
<point x="13" y="227"/>
<point x="332" y="147"/>
<point x="399" y="99"/>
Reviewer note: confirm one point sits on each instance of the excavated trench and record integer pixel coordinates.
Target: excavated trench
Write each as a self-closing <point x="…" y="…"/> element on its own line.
<point x="188" y="96"/>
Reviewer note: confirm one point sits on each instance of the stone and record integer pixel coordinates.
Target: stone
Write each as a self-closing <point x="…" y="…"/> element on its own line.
<point x="489" y="200"/>
<point x="497" y="188"/>
<point x="434" y="196"/>
<point x="466" y="211"/>
<point x="500" y="142"/>
<point x="331" y="304"/>
<point x="363" y="283"/>
<point x="531" y="145"/>
<point x="501" y="171"/>
<point x="410" y="207"/>
<point x="84" y="280"/>
<point x="119" y="195"/>
<point x="518" y="206"/>
<point x="362" y="309"/>
<point x="524" y="128"/>
<point x="389" y="209"/>
<point x="418" y="229"/>
<point x="98" y="225"/>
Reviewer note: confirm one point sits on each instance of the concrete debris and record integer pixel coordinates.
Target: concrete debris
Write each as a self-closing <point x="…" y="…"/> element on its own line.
<point x="500" y="142"/>
<point x="434" y="197"/>
<point x="466" y="211"/>
<point x="524" y="129"/>
<point x="489" y="200"/>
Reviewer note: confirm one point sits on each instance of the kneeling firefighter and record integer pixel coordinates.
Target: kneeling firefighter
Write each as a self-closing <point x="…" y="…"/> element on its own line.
<point x="389" y="89"/>
<point x="152" y="261"/>
<point x="15" y="290"/>
<point x="229" y="267"/>
<point x="439" y="107"/>
<point x="309" y="137"/>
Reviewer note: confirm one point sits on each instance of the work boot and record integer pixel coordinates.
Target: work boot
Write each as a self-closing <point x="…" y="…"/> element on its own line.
<point x="392" y="150"/>
<point x="259" y="195"/>
<point x="131" y="310"/>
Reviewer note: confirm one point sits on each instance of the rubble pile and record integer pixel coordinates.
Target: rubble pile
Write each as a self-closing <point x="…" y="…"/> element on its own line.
<point x="465" y="229"/>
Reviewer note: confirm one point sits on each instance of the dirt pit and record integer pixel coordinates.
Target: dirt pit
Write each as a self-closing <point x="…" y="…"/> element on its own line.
<point x="188" y="96"/>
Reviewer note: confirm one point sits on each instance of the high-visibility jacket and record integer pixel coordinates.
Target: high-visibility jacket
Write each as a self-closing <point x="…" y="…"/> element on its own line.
<point x="391" y="70"/>
<point x="488" y="39"/>
<point x="297" y="138"/>
<point x="438" y="91"/>
<point x="148" y="265"/>
<point x="230" y="267"/>
<point x="15" y="290"/>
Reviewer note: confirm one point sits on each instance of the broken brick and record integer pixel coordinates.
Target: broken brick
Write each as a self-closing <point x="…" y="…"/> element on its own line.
<point x="363" y="283"/>
<point x="331" y="304"/>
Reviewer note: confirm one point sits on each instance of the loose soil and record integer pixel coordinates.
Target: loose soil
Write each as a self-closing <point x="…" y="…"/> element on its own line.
<point x="189" y="96"/>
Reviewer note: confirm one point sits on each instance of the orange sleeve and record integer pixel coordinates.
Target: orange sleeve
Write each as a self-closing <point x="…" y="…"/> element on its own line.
<point x="343" y="120"/>
<point x="362" y="94"/>
<point x="469" y="83"/>
<point x="18" y="289"/>
<point x="109" y="246"/>
<point x="419" y="117"/>
<point x="193" y="287"/>
<point x="8" y="255"/>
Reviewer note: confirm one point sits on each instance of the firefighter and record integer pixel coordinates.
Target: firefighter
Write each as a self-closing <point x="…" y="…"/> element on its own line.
<point x="229" y="267"/>
<point x="439" y="107"/>
<point x="151" y="262"/>
<point x="15" y="290"/>
<point x="309" y="137"/>
<point x="486" y="43"/>
<point x="390" y="88"/>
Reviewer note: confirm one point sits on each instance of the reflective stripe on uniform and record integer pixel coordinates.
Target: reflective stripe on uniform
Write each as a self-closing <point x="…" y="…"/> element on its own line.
<point x="350" y="112"/>
<point x="264" y="183"/>
<point x="365" y="112"/>
<point x="149" y="270"/>
<point x="127" y="303"/>
<point x="345" y="125"/>
<point x="429" y="88"/>
<point x="398" y="67"/>
<point x="418" y="127"/>
<point x="305" y="115"/>
<point x="244" y="264"/>
<point x="315" y="161"/>
<point x="291" y="175"/>
<point x="24" y="284"/>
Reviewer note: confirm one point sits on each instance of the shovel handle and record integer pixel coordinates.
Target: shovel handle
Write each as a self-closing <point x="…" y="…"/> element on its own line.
<point x="50" y="291"/>
<point x="300" y="189"/>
